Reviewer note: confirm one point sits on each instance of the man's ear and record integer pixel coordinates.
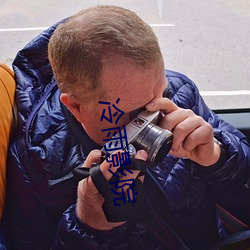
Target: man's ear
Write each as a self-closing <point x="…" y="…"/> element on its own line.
<point x="73" y="106"/>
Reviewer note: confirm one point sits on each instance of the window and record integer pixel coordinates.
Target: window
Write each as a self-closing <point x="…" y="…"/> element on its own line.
<point x="206" y="40"/>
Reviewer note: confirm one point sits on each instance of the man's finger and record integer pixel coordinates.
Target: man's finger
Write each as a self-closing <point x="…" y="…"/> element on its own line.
<point x="163" y="104"/>
<point x="141" y="155"/>
<point x="107" y="167"/>
<point x="93" y="156"/>
<point x="183" y="130"/>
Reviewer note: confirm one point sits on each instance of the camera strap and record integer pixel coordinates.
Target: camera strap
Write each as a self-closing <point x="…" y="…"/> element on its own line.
<point x="150" y="205"/>
<point x="118" y="205"/>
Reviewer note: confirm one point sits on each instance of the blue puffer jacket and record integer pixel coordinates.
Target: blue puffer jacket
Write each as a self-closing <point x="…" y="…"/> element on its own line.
<point x="40" y="212"/>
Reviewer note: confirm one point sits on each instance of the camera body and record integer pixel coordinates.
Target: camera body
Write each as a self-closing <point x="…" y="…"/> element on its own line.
<point x="143" y="133"/>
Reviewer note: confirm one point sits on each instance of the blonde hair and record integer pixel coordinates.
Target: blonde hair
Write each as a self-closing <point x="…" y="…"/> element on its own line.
<point x="79" y="45"/>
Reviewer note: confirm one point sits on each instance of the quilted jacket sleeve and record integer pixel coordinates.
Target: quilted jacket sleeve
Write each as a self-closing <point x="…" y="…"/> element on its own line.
<point x="73" y="234"/>
<point x="70" y="227"/>
<point x="230" y="179"/>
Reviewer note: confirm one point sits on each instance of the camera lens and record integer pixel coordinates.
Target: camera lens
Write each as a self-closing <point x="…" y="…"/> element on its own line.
<point x="155" y="141"/>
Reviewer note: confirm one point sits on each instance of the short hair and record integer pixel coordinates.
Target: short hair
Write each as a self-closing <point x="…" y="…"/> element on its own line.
<point x="79" y="45"/>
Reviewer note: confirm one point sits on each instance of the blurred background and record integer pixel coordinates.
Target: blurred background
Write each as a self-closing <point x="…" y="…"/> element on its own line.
<point x="208" y="40"/>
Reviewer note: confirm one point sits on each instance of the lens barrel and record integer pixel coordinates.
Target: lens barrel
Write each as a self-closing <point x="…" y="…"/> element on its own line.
<point x="155" y="141"/>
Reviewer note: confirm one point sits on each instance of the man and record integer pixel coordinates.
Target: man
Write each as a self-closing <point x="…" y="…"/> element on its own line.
<point x="109" y="55"/>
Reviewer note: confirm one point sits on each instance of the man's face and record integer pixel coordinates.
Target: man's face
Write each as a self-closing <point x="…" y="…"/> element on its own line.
<point x="134" y="86"/>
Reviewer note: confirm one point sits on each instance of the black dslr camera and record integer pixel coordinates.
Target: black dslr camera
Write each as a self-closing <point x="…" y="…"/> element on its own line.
<point x="143" y="133"/>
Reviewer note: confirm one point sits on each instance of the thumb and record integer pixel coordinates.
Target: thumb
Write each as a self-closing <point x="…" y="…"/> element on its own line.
<point x="141" y="155"/>
<point x="92" y="157"/>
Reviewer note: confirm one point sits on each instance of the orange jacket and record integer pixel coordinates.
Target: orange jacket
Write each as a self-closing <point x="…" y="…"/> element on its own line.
<point x="7" y="90"/>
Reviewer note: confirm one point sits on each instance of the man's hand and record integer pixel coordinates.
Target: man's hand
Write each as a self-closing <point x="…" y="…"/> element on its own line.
<point x="89" y="203"/>
<point x="193" y="136"/>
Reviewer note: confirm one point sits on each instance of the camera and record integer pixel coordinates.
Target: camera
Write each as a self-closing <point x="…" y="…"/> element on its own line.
<point x="143" y="133"/>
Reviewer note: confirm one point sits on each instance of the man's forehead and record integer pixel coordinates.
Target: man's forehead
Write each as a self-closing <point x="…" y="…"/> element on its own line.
<point x="132" y="84"/>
